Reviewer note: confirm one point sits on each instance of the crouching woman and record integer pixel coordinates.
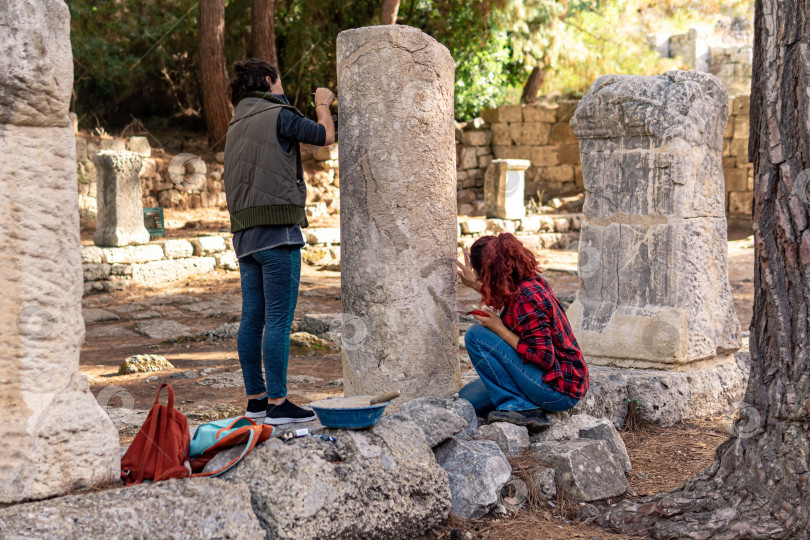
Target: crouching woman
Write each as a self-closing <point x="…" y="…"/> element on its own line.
<point x="526" y="355"/>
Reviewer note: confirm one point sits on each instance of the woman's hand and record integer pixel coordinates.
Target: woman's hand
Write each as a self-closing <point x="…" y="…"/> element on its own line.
<point x="467" y="274"/>
<point x="492" y="322"/>
<point x="324" y="96"/>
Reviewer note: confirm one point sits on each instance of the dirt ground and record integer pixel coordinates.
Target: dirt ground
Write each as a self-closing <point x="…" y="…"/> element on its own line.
<point x="662" y="458"/>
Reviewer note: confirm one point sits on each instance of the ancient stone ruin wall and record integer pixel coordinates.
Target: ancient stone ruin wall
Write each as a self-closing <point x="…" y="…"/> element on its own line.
<point x="554" y="152"/>
<point x="473" y="156"/>
<point x="158" y="187"/>
<point x="733" y="66"/>
<point x="160" y="190"/>
<point x="738" y="171"/>
<point x="322" y="176"/>
<point x="539" y="133"/>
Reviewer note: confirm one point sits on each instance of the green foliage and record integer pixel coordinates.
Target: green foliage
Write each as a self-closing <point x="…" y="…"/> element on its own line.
<point x="109" y="38"/>
<point x="139" y="57"/>
<point x="479" y="44"/>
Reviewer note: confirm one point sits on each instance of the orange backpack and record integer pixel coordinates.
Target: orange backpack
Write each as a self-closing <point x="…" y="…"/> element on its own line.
<point x="161" y="448"/>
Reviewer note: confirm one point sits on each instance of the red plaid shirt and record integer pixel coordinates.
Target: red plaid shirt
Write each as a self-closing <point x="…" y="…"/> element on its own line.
<point x="546" y="339"/>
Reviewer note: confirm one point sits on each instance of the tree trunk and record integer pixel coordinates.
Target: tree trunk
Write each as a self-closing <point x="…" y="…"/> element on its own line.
<point x="532" y="85"/>
<point x="390" y="8"/>
<point x="759" y="484"/>
<point x="216" y="107"/>
<point x="263" y="31"/>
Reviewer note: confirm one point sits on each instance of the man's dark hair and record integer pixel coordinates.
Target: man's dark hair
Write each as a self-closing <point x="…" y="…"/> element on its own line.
<point x="249" y="76"/>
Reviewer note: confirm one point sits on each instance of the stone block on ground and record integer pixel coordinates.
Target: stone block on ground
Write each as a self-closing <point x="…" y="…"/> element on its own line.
<point x="177" y="248"/>
<point x="305" y="340"/>
<point x="172" y="270"/>
<point x="132" y="254"/>
<point x="320" y="323"/>
<point x="473" y="226"/>
<point x="144" y="363"/>
<point x="189" y="508"/>
<point x="545" y="482"/>
<point x="223" y="332"/>
<point x="162" y="329"/>
<point x="585" y="469"/>
<point x="461" y="407"/>
<point x="94" y="315"/>
<point x="437" y="423"/>
<point x="232" y="379"/>
<point x="601" y="429"/>
<point x="607" y="395"/>
<point x="206" y="245"/>
<point x="582" y="426"/>
<point x="227" y="261"/>
<point x="378" y="483"/>
<point x="510" y="438"/>
<point x="666" y="397"/>
<point x="323" y="235"/>
<point x="478" y="471"/>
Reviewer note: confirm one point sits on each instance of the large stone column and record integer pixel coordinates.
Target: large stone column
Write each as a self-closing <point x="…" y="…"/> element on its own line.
<point x="54" y="437"/>
<point x="398" y="212"/>
<point x="120" y="211"/>
<point x="654" y="292"/>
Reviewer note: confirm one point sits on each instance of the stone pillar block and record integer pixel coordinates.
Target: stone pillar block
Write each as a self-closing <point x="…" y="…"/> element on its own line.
<point x="398" y="213"/>
<point x="654" y="290"/>
<point x="504" y="188"/>
<point x="120" y="211"/>
<point x="54" y="437"/>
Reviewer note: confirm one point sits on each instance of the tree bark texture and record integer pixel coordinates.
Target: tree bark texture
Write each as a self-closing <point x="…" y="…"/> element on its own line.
<point x="390" y="8"/>
<point x="759" y="484"/>
<point x="532" y="85"/>
<point x="263" y="31"/>
<point x="216" y="106"/>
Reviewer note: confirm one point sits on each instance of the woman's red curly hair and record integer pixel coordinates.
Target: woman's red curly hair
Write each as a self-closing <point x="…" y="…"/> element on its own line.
<point x="501" y="263"/>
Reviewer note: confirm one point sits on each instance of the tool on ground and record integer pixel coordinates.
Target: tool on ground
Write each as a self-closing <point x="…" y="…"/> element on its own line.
<point x="356" y="412"/>
<point x="294" y="434"/>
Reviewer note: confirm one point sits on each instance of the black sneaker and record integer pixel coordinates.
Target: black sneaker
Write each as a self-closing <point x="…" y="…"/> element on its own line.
<point x="256" y="409"/>
<point x="532" y="418"/>
<point x="287" y="413"/>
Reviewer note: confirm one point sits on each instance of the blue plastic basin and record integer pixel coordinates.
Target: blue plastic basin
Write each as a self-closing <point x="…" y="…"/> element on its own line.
<point x="350" y="417"/>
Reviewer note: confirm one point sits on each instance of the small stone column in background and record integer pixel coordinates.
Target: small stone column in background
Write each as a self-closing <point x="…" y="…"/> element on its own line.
<point x="654" y="292"/>
<point x="504" y="188"/>
<point x="120" y="212"/>
<point x="398" y="213"/>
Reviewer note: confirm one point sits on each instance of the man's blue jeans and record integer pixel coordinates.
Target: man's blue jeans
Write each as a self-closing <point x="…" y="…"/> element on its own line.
<point x="506" y="383"/>
<point x="270" y="281"/>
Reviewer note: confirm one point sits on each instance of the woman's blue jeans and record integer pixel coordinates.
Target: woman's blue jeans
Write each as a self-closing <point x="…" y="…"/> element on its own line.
<point x="270" y="281"/>
<point x="506" y="383"/>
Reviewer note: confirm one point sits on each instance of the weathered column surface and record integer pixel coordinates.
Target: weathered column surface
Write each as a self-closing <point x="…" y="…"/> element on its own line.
<point x="54" y="437"/>
<point x="398" y="213"/>
<point x="120" y="211"/>
<point x="654" y="290"/>
<point x="504" y="188"/>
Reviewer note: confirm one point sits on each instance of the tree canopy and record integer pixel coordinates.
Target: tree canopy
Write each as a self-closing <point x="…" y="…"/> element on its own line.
<point x="141" y="58"/>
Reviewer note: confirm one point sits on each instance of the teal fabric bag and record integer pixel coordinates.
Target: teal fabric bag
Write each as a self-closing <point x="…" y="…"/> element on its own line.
<point x="210" y="433"/>
<point x="214" y="437"/>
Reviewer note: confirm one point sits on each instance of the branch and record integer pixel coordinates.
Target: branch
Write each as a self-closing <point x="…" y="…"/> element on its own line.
<point x="600" y="38"/>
